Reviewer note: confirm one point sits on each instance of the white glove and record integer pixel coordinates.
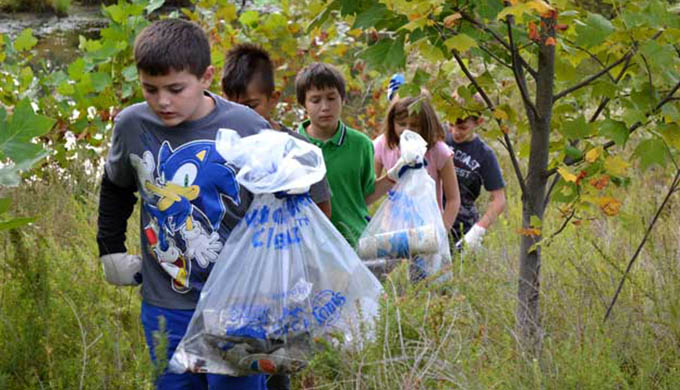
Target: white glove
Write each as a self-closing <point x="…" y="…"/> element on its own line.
<point x="473" y="238"/>
<point x="393" y="173"/>
<point x="122" y="269"/>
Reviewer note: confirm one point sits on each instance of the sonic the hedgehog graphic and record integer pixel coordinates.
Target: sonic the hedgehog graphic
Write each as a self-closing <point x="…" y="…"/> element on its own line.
<point x="185" y="194"/>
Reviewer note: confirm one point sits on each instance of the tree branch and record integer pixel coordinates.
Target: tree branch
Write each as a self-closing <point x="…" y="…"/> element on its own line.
<point x="669" y="97"/>
<point x="517" y="72"/>
<point x="591" y="55"/>
<point x="499" y="39"/>
<point x="592" y="78"/>
<point x="495" y="57"/>
<point x="489" y="103"/>
<point x="672" y="188"/>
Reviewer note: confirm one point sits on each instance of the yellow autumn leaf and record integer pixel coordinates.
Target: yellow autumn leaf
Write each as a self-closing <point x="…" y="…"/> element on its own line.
<point x="610" y="206"/>
<point x="593" y="154"/>
<point x="567" y="175"/>
<point x="500" y="114"/>
<point x="540" y="6"/>
<point x="616" y="165"/>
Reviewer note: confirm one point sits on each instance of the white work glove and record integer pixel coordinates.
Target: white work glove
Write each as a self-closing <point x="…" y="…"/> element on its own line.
<point x="405" y="160"/>
<point x="472" y="239"/>
<point x="122" y="269"/>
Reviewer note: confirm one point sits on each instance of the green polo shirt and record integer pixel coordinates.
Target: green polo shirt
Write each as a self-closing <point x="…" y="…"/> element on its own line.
<point x="349" y="168"/>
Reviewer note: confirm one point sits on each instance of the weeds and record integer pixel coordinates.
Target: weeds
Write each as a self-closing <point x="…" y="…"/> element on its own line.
<point x="63" y="327"/>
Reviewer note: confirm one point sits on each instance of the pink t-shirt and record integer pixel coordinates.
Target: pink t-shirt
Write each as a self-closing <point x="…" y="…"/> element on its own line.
<point x="436" y="157"/>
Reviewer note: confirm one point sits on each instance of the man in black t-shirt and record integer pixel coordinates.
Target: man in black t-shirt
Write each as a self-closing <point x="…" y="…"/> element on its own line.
<point x="476" y="166"/>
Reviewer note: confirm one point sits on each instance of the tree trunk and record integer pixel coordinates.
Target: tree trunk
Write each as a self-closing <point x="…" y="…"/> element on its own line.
<point x="528" y="308"/>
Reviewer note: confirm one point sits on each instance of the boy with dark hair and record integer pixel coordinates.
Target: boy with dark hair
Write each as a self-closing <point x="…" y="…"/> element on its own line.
<point x="348" y="153"/>
<point x="165" y="149"/>
<point x="476" y="167"/>
<point x="248" y="79"/>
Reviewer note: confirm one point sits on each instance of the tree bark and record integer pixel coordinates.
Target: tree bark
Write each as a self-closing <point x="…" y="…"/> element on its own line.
<point x="528" y="308"/>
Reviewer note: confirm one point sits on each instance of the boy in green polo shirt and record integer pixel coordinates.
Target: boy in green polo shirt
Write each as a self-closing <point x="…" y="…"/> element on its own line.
<point x="348" y="153"/>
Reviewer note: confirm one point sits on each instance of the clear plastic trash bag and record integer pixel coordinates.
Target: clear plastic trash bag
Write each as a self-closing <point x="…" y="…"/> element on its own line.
<point x="409" y="224"/>
<point x="285" y="277"/>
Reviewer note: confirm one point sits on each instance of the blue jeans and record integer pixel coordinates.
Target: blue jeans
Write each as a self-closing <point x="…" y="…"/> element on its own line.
<point x="176" y="323"/>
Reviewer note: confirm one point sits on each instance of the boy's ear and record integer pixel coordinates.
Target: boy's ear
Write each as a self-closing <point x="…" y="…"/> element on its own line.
<point x="207" y="77"/>
<point x="479" y="121"/>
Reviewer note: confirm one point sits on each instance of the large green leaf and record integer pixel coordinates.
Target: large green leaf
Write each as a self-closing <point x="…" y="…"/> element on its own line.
<point x="16" y="133"/>
<point x="576" y="129"/>
<point x="460" y="42"/>
<point x="368" y="18"/>
<point x="651" y="151"/>
<point x="613" y="130"/>
<point x="25" y="40"/>
<point x="595" y="30"/>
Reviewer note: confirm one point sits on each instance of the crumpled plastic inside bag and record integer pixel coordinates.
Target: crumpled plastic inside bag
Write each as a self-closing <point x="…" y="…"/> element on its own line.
<point x="285" y="277"/>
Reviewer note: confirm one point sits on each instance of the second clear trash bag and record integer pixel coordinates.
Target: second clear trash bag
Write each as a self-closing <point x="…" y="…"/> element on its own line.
<point x="409" y="224"/>
<point x="285" y="278"/>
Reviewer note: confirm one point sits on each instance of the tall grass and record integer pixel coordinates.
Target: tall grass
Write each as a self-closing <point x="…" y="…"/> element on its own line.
<point x="63" y="327"/>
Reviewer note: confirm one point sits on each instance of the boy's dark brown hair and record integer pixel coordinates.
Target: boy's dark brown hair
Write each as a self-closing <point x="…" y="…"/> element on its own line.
<point x="244" y="63"/>
<point x="320" y="76"/>
<point x="172" y="44"/>
<point x="420" y="108"/>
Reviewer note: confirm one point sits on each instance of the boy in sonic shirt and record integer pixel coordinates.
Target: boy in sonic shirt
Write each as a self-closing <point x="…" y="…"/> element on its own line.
<point x="164" y="149"/>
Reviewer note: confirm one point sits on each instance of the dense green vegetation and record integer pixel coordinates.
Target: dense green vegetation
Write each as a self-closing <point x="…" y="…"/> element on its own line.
<point x="62" y="326"/>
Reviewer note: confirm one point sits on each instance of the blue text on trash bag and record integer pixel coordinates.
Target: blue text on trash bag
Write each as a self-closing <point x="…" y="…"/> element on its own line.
<point x="278" y="228"/>
<point x="255" y="322"/>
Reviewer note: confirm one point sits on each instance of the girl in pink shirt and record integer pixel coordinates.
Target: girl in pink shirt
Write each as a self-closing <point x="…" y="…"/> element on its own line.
<point x="424" y="121"/>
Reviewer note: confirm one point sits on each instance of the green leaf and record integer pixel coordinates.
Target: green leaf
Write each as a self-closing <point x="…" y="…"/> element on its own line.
<point x="16" y="135"/>
<point x="15" y="223"/>
<point x="593" y="31"/>
<point x="460" y="42"/>
<point x="396" y="57"/>
<point x="671" y="134"/>
<point x="516" y="10"/>
<point x="25" y="40"/>
<point x="535" y="222"/>
<point x="613" y="130"/>
<point x="154" y="5"/>
<point x="368" y="18"/>
<point x="26" y="76"/>
<point x="572" y="152"/>
<point x="100" y="81"/>
<point x="376" y="53"/>
<point x="115" y="12"/>
<point x="76" y="69"/>
<point x="130" y="73"/>
<point x="576" y="129"/>
<point x="4" y="205"/>
<point x="651" y="151"/>
<point x="10" y="174"/>
<point x="658" y="56"/>
<point x="249" y="18"/>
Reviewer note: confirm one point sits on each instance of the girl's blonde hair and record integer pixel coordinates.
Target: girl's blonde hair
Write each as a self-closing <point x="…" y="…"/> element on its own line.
<point x="419" y="107"/>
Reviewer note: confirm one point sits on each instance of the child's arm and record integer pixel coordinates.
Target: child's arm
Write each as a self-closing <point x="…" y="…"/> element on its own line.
<point x="115" y="207"/>
<point x="325" y="207"/>
<point x="496" y="207"/>
<point x="451" y="192"/>
<point x="382" y="186"/>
